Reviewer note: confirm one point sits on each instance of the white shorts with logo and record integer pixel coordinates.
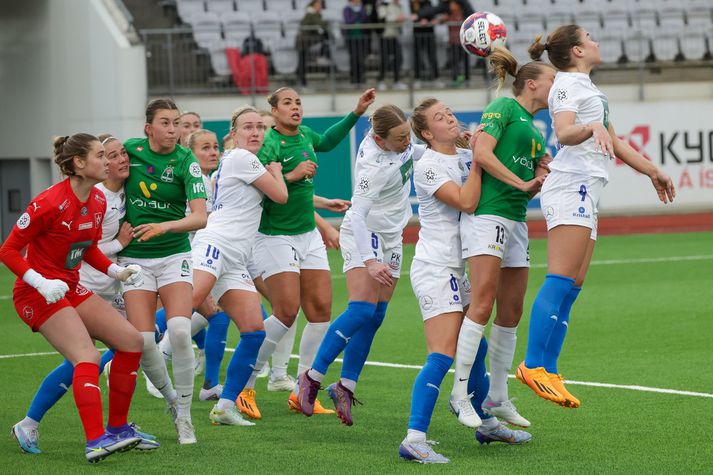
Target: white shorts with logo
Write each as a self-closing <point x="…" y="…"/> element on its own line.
<point x="229" y="266"/>
<point x="439" y="289"/>
<point x="387" y="248"/>
<point x="160" y="271"/>
<point x="116" y="300"/>
<point x="569" y="198"/>
<point x="492" y="235"/>
<point x="278" y="254"/>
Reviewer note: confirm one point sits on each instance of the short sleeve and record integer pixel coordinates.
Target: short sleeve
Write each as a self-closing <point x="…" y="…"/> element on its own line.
<point x="246" y="167"/>
<point x="495" y="117"/>
<point x="430" y="176"/>
<point x="193" y="179"/>
<point x="268" y="152"/>
<point x="564" y="97"/>
<point x="373" y="175"/>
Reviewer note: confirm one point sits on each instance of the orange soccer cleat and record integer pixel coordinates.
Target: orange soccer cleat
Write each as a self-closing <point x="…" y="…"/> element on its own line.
<point x="539" y="381"/>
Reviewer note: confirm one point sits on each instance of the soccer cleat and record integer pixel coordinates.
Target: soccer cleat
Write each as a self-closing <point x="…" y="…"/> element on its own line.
<point x="200" y="362"/>
<point x="421" y="452"/>
<point x="229" y="417"/>
<point x="343" y="400"/>
<point x="284" y="383"/>
<point x="502" y="434"/>
<point x="307" y="393"/>
<point x="538" y="380"/>
<point x="28" y="438"/>
<point x="505" y="410"/>
<point x="246" y="404"/>
<point x="152" y="390"/>
<point x="108" y="444"/>
<point x="212" y="394"/>
<point x="293" y="405"/>
<point x="463" y="409"/>
<point x="558" y="382"/>
<point x="265" y="371"/>
<point x="186" y="433"/>
<point x="147" y="441"/>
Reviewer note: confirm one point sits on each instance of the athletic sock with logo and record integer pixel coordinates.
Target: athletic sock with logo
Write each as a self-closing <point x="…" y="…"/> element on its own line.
<point x="357" y="350"/>
<point x="544" y="315"/>
<point x="426" y="389"/>
<point x="87" y="397"/>
<point x="154" y="367"/>
<point x="556" y="340"/>
<point x="468" y="342"/>
<point x="122" y="381"/>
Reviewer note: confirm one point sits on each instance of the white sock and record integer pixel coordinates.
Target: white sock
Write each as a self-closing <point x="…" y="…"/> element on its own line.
<point x="281" y="355"/>
<point x="165" y="347"/>
<point x="312" y="336"/>
<point x="315" y="375"/>
<point x="413" y="435"/>
<point x="225" y="404"/>
<point x="29" y="422"/>
<point x="179" y="331"/>
<point x="501" y="351"/>
<point x="154" y="367"/>
<point x="468" y="343"/>
<point x="274" y="331"/>
<point x="198" y="323"/>
<point x="490" y="423"/>
<point x="350" y="384"/>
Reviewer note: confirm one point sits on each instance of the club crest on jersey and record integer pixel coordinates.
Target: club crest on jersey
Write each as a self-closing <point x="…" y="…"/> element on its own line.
<point x="167" y="175"/>
<point x="81" y="290"/>
<point x="430" y="175"/>
<point x="195" y="170"/>
<point x="395" y="261"/>
<point x="83" y="211"/>
<point x="23" y="221"/>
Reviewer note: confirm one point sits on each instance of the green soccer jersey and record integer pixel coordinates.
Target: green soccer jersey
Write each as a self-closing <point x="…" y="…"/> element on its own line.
<point x="156" y="191"/>
<point x="297" y="215"/>
<point x="520" y="147"/>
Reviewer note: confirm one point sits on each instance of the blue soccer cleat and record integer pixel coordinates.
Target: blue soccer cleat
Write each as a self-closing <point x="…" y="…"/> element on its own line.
<point x="109" y="444"/>
<point x="27" y="438"/>
<point x="421" y="452"/>
<point x="148" y="441"/>
<point x="502" y="434"/>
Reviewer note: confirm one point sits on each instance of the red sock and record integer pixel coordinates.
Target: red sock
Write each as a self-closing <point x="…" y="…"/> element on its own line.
<point x="87" y="397"/>
<point x="122" y="381"/>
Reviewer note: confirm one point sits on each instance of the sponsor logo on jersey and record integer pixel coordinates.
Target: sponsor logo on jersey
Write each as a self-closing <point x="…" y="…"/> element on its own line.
<point x="28" y="312"/>
<point x="525" y="162"/>
<point x="167" y="175"/>
<point x="146" y="190"/>
<point x="139" y="149"/>
<point x="581" y="213"/>
<point x="549" y="212"/>
<point x="98" y="218"/>
<point x="198" y="188"/>
<point x="76" y="254"/>
<point x="288" y="159"/>
<point x="68" y="224"/>
<point x="84" y="226"/>
<point x="406" y="170"/>
<point x="395" y="261"/>
<point x="195" y="170"/>
<point x="23" y="221"/>
<point x="64" y="205"/>
<point x="35" y="206"/>
<point x="99" y="198"/>
<point x="426" y="302"/>
<point x="524" y="119"/>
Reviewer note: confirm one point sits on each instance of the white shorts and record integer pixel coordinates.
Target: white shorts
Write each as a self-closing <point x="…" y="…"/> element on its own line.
<point x="115" y="300"/>
<point x="569" y="198"/>
<point x="229" y="268"/>
<point x="387" y="247"/>
<point x="253" y="269"/>
<point x="278" y="254"/>
<point x="160" y="271"/>
<point x="439" y="289"/>
<point x="492" y="235"/>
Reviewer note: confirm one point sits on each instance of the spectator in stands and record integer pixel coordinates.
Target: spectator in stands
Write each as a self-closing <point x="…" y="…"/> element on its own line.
<point x="458" y="10"/>
<point x="354" y="14"/>
<point x="423" y="14"/>
<point x="188" y="123"/>
<point x="312" y="37"/>
<point x="392" y="13"/>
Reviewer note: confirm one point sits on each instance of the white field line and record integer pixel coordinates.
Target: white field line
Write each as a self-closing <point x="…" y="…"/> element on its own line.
<point x="417" y="367"/>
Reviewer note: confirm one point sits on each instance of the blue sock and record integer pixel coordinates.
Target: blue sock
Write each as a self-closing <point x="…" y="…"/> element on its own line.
<point x="106" y="357"/>
<point x="241" y="364"/>
<point x="358" y="348"/>
<point x="340" y="332"/>
<point x="265" y="316"/>
<point x="479" y="381"/>
<point x="554" y="345"/>
<point x="426" y="389"/>
<point x="215" y="339"/>
<point x="199" y="339"/>
<point x="51" y="390"/>
<point x="161" y="325"/>
<point x="543" y="316"/>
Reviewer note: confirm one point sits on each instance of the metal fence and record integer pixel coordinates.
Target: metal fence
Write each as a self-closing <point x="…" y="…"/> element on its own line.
<point x="250" y="59"/>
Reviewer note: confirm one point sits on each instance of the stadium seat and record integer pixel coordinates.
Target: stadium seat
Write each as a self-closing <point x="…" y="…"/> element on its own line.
<point x="610" y="47"/>
<point x="671" y="21"/>
<point x="280" y="5"/>
<point x="699" y="20"/>
<point x="206" y="31"/>
<point x="267" y="25"/>
<point x="636" y="46"/>
<point x="590" y="21"/>
<point x="518" y="47"/>
<point x="236" y="27"/>
<point x="188" y="8"/>
<point x="693" y="45"/>
<point x="220" y="6"/>
<point x="219" y="60"/>
<point x="251" y="6"/>
<point x="615" y="21"/>
<point x="644" y="20"/>
<point x="204" y="18"/>
<point x="531" y="26"/>
<point x="333" y="14"/>
<point x="284" y="57"/>
<point x="558" y="18"/>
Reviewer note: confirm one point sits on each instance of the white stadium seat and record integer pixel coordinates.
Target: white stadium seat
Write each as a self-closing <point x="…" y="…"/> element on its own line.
<point x="220" y="6"/>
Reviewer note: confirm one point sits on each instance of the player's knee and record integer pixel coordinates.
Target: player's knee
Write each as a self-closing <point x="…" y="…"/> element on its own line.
<point x="89" y="355"/>
<point x="179" y="333"/>
<point x="135" y="342"/>
<point x="481" y="310"/>
<point x="286" y="312"/>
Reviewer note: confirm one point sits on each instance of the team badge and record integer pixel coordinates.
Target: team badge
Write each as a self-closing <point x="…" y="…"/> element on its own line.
<point x="24" y="221"/>
<point x="81" y="290"/>
<point x="83" y="211"/>
<point x="185" y="268"/>
<point x="97" y="219"/>
<point x="167" y="175"/>
<point x="28" y="312"/>
<point x="364" y="185"/>
<point x="195" y="170"/>
<point x="430" y="175"/>
<point x="561" y="95"/>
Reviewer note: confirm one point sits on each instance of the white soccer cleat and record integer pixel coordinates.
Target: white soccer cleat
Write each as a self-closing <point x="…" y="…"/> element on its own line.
<point x="186" y="433"/>
<point x="506" y="411"/>
<point x="265" y="371"/>
<point x="230" y="417"/>
<point x="212" y="394"/>
<point x="284" y="383"/>
<point x="465" y="412"/>
<point x="200" y="362"/>
<point x="152" y="390"/>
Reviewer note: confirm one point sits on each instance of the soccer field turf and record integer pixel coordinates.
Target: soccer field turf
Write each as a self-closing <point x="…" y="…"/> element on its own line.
<point x="643" y="320"/>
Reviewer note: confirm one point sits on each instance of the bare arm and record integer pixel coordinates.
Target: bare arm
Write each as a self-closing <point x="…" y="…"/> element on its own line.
<point x="463" y="198"/>
<point x="194" y="221"/>
<point x="570" y="133"/>
<point x="273" y="184"/>
<point x="484" y="156"/>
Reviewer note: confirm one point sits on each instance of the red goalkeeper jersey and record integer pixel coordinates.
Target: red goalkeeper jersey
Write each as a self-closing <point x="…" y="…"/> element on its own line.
<point x="59" y="231"/>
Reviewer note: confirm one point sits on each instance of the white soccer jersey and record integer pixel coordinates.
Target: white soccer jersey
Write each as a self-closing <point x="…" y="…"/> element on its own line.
<point x="384" y="179"/>
<point x="96" y="281"/>
<point x="237" y="205"/>
<point x="575" y="92"/>
<point x="439" y="238"/>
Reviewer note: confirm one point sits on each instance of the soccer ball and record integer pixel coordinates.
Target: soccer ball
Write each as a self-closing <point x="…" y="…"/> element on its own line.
<point x="481" y="32"/>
